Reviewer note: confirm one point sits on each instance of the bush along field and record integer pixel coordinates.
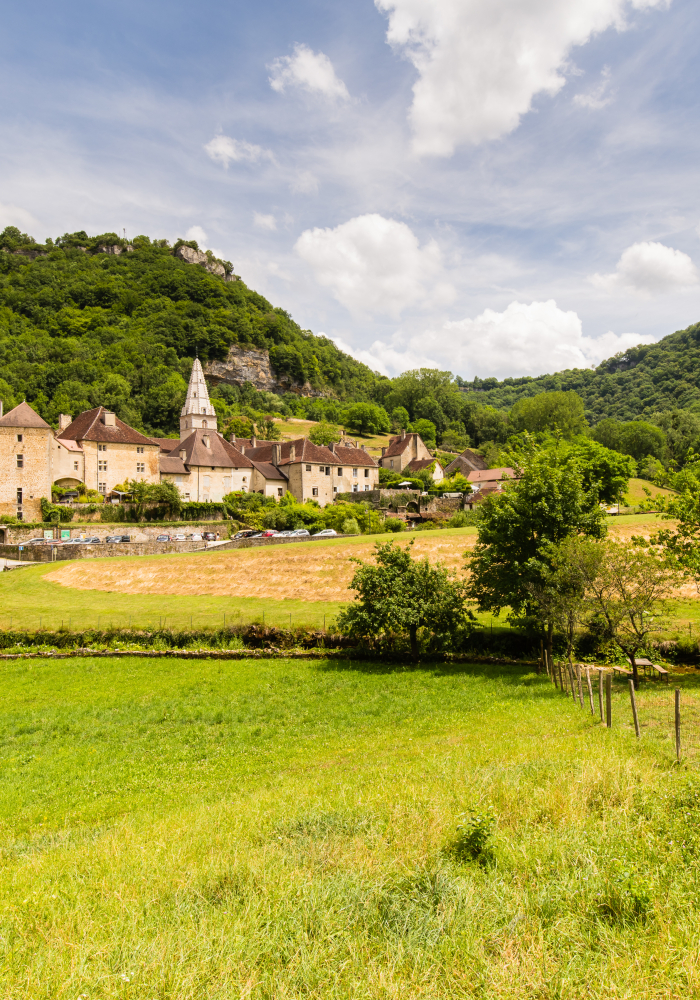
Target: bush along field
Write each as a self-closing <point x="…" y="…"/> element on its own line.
<point x="285" y="828"/>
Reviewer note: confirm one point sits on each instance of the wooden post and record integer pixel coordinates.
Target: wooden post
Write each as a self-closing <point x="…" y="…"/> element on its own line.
<point x="678" y="723"/>
<point x="600" y="693"/>
<point x="608" y="700"/>
<point x="543" y="658"/>
<point x="572" y="675"/>
<point x="579" y="674"/>
<point x="634" y="709"/>
<point x="590" y="689"/>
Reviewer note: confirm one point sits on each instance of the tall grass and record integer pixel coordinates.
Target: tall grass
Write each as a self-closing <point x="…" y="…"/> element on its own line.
<point x="217" y="829"/>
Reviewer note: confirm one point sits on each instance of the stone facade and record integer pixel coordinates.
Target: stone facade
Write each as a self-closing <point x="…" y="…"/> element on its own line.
<point x="402" y="450"/>
<point x="25" y="460"/>
<point x="112" y="451"/>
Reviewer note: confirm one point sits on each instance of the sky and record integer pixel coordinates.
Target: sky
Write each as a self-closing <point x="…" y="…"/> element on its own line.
<point x="491" y="187"/>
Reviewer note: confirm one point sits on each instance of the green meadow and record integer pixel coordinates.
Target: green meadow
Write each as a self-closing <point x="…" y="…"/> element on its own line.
<point x="265" y="829"/>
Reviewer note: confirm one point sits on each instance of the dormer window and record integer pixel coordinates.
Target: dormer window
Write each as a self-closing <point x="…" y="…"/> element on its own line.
<point x="205" y="440"/>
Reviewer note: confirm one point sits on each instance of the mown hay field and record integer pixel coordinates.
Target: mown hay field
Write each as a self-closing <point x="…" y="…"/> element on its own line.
<point x="190" y="830"/>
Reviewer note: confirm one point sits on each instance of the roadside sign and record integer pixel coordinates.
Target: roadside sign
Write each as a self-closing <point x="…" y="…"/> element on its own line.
<point x="65" y="533"/>
<point x="48" y="533"/>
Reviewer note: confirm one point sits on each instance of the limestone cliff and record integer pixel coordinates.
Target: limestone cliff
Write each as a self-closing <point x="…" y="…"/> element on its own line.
<point x="246" y="364"/>
<point x="192" y="256"/>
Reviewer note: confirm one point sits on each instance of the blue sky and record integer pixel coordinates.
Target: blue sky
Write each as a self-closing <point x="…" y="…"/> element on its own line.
<point x="495" y="187"/>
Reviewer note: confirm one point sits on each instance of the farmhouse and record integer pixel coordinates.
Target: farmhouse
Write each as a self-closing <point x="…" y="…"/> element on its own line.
<point x="465" y="463"/>
<point x="25" y="460"/>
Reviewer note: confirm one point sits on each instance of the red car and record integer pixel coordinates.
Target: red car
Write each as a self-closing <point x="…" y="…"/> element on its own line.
<point x="268" y="534"/>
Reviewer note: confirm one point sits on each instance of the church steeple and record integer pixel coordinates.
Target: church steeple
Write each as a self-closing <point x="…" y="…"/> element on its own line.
<point x="197" y="411"/>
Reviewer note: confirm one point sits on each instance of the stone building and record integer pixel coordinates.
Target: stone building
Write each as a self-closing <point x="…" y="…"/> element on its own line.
<point x="25" y="460"/>
<point x="112" y="452"/>
<point x="465" y="463"/>
<point x="202" y="464"/>
<point x="402" y="450"/>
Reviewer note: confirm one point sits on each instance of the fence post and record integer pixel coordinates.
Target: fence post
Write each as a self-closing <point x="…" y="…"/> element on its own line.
<point x="608" y="700"/>
<point x="600" y="693"/>
<point x="579" y="673"/>
<point x="678" y="723"/>
<point x="634" y="709"/>
<point x="590" y="689"/>
<point x="573" y="681"/>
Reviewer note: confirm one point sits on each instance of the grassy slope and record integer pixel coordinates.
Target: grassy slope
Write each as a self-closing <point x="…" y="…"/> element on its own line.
<point x="636" y="491"/>
<point x="217" y="830"/>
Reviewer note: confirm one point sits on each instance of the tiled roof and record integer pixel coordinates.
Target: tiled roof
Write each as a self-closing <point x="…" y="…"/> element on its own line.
<point x="397" y="445"/>
<point x="270" y="471"/>
<point x="354" y="456"/>
<point x="489" y="475"/>
<point x="89" y="426"/>
<point x="416" y="464"/>
<point x="70" y="445"/>
<point x="220" y="453"/>
<point x="172" y="464"/>
<point x="165" y="444"/>
<point x="23" y="416"/>
<point x="467" y="462"/>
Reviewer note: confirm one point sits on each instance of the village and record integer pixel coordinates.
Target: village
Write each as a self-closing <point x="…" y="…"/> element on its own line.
<point x="97" y="451"/>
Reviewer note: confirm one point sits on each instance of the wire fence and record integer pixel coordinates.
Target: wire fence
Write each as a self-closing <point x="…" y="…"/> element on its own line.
<point x="658" y="714"/>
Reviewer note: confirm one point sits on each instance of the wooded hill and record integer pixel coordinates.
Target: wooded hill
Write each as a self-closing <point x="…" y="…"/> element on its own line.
<point x="635" y="384"/>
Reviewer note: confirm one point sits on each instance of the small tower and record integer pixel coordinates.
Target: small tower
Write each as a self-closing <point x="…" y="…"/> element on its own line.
<point x="197" y="411"/>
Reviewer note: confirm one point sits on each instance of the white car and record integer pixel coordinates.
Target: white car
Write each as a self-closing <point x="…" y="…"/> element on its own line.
<point x="179" y="538"/>
<point x="326" y="533"/>
<point x="299" y="531"/>
<point x="196" y="538"/>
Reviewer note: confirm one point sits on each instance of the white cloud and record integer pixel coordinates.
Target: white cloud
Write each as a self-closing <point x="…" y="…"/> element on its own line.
<point x="13" y="215"/>
<point x="649" y="268"/>
<point x="309" y="70"/>
<point x="264" y="221"/>
<point x="599" y="96"/>
<point x="198" y="234"/>
<point x="223" y="149"/>
<point x="524" y="339"/>
<point x="480" y="63"/>
<point x="374" y="265"/>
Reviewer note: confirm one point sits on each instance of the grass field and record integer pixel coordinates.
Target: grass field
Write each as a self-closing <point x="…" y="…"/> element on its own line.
<point x="185" y="830"/>
<point x="636" y="492"/>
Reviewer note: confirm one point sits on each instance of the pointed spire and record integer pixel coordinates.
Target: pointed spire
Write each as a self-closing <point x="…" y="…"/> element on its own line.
<point x="197" y="411"/>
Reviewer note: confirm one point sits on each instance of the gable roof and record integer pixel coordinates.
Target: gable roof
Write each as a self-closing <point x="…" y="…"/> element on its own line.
<point x="23" y="416"/>
<point x="467" y="462"/>
<point x="165" y="444"/>
<point x="354" y="456"/>
<point x="90" y="426"/>
<point x="270" y="471"/>
<point x="398" y="445"/>
<point x="490" y="475"/>
<point x="220" y="453"/>
<point x="417" y="464"/>
<point x="173" y="465"/>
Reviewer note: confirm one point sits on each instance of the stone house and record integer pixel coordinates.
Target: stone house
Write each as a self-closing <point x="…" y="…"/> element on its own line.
<point x="402" y="450"/>
<point x="465" y="463"/>
<point x="25" y="460"/>
<point x="417" y="465"/>
<point x="313" y="472"/>
<point x="111" y="451"/>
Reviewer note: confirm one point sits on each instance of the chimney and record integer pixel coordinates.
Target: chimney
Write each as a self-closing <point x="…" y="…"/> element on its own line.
<point x="383" y="452"/>
<point x="332" y="446"/>
<point x="292" y="452"/>
<point x="64" y="420"/>
<point x="254" y="441"/>
<point x="403" y="434"/>
<point x="0" y="408"/>
<point x="364" y="447"/>
<point x="276" y="454"/>
<point x="232" y="439"/>
<point x="109" y="419"/>
<point x="242" y="449"/>
<point x="183" y="454"/>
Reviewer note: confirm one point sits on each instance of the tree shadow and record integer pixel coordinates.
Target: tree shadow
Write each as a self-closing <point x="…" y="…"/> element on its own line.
<point x="511" y="674"/>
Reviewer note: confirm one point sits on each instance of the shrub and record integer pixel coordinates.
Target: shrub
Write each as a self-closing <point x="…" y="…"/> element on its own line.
<point x="474" y="834"/>
<point x="350" y="527"/>
<point x="394" y="524"/>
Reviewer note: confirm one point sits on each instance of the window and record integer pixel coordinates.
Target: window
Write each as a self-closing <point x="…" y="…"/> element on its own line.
<point x="340" y="472"/>
<point x="101" y="466"/>
<point x="308" y="468"/>
<point x="204" y="410"/>
<point x="75" y="466"/>
<point x="139" y="450"/>
<point x="335" y="489"/>
<point x="245" y="479"/>
<point x="140" y="466"/>
<point x="328" y="470"/>
<point x="19" y="496"/>
<point x="314" y="491"/>
<point x="321" y="468"/>
<point x="366" y="473"/>
<point x="391" y="462"/>
<point x="355" y="488"/>
<point x="279" y="491"/>
<point x="20" y="515"/>
<point x="20" y="461"/>
<point x="102" y="487"/>
<point x="366" y="487"/>
<point x="205" y="424"/>
<point x="354" y="473"/>
<point x="102" y="447"/>
<point x="19" y="438"/>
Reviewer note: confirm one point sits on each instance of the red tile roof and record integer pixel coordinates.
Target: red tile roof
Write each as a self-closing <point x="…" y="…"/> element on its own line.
<point x="220" y="454"/>
<point x="490" y="475"/>
<point x="89" y="426"/>
<point x="270" y="471"/>
<point x="23" y="416"/>
<point x="417" y="464"/>
<point x="397" y="445"/>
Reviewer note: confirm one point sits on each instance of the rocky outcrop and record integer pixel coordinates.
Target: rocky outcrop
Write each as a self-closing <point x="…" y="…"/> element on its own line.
<point x="245" y="364"/>
<point x="113" y="248"/>
<point x="192" y="256"/>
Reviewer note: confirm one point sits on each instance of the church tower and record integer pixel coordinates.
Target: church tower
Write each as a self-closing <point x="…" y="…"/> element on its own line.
<point x="197" y="411"/>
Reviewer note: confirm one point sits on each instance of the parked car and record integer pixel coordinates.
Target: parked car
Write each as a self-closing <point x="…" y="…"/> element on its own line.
<point x="209" y="536"/>
<point x="72" y="541"/>
<point x="180" y="538"/>
<point x="91" y="541"/>
<point x="35" y="541"/>
<point x="124" y="538"/>
<point x="113" y="539"/>
<point x="269" y="533"/>
<point x="246" y="533"/>
<point x="163" y="538"/>
<point x="196" y="537"/>
<point x="284" y="534"/>
<point x="326" y="533"/>
<point x="300" y="531"/>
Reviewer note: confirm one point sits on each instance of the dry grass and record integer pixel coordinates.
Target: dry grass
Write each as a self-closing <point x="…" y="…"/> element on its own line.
<point x="311" y="571"/>
<point x="307" y="572"/>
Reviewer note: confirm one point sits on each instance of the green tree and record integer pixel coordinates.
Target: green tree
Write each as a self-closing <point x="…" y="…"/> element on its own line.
<point x="427" y="431"/>
<point x="267" y="429"/>
<point x="324" y="434"/>
<point x="367" y="418"/>
<point x="680" y="541"/>
<point x="400" y="418"/>
<point x="400" y="595"/>
<point x="637" y="438"/>
<point x="550" y="411"/>
<point x="682" y="430"/>
<point x="543" y="505"/>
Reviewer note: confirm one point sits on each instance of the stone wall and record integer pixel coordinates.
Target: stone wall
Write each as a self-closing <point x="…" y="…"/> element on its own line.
<point x="13" y="534"/>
